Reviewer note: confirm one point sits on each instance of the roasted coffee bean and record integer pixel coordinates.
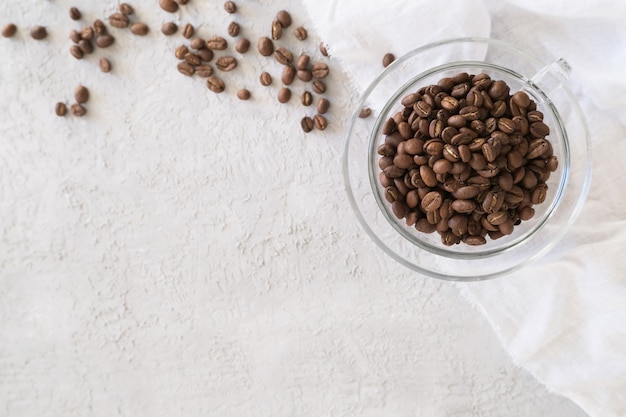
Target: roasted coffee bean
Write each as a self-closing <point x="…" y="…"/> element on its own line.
<point x="463" y="206"/>
<point x="242" y="45"/>
<point x="205" y="54"/>
<point x="498" y="90"/>
<point x="284" y="18"/>
<point x="283" y="55"/>
<point x="197" y="43"/>
<point x="81" y="94"/>
<point x="300" y="33"/>
<point x="323" y="49"/>
<point x="284" y="95"/>
<point x="230" y="7"/>
<point x="320" y="70"/>
<point x="118" y="20"/>
<point x="78" y="110"/>
<point x="319" y="87"/>
<point x="388" y="58"/>
<point x="323" y="105"/>
<point x="168" y="5"/>
<point x="139" y="28"/>
<point x="169" y="28"/>
<point x="216" y="43"/>
<point x="215" y="84"/>
<point x="226" y="63"/>
<point x="288" y="75"/>
<point x="126" y="8"/>
<point x="105" y="65"/>
<point x="431" y="201"/>
<point x="85" y="46"/>
<point x="76" y="52"/>
<point x="320" y="122"/>
<point x="265" y="46"/>
<point x="307" y="124"/>
<point x="243" y="94"/>
<point x="304" y="75"/>
<point x="233" y="29"/>
<point x="98" y="27"/>
<point x="307" y="98"/>
<point x="60" y="109"/>
<point x="188" y="31"/>
<point x="38" y="33"/>
<point x="303" y="62"/>
<point x="86" y="33"/>
<point x="265" y="78"/>
<point x="534" y="116"/>
<point x="75" y="13"/>
<point x="181" y="51"/>
<point x="9" y="30"/>
<point x="204" y="71"/>
<point x="193" y="59"/>
<point x="75" y="36"/>
<point x="365" y="113"/>
<point x="276" y="30"/>
<point x="536" y="148"/>
<point x="104" y="41"/>
<point x="186" y="68"/>
<point x="521" y="99"/>
<point x="539" y="130"/>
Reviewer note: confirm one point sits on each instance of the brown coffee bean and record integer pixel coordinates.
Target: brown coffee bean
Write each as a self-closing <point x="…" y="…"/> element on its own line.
<point x="399" y="209"/>
<point x="38" y="33"/>
<point x="323" y="105"/>
<point x="193" y="59"/>
<point x="139" y="28"/>
<point x="552" y="164"/>
<point x="98" y="27"/>
<point x="85" y="46"/>
<point x="169" y="28"/>
<point x="230" y="7"/>
<point x="428" y="176"/>
<point x="300" y="33"/>
<point x="216" y="43"/>
<point x="75" y="36"/>
<point x="9" y="30"/>
<point x="289" y="74"/>
<point x="242" y="45"/>
<point x="303" y="62"/>
<point x="75" y="13"/>
<point x="466" y="192"/>
<point x="204" y="71"/>
<point x="320" y="70"/>
<point x="104" y="41"/>
<point x="323" y="49"/>
<point x="283" y="55"/>
<point x="78" y="110"/>
<point x="266" y="78"/>
<point x="205" y="54"/>
<point x="365" y="113"/>
<point x="534" y="116"/>
<point x="319" y="87"/>
<point x="458" y="224"/>
<point x="243" y="94"/>
<point x="181" y="51"/>
<point x="276" y="31"/>
<point x="536" y="148"/>
<point x="521" y="99"/>
<point x="526" y="213"/>
<point x="126" y="9"/>
<point x="188" y="31"/>
<point x="197" y="43"/>
<point x="118" y="20"/>
<point x="539" y="130"/>
<point x="463" y="206"/>
<point x="76" y="52"/>
<point x="431" y="201"/>
<point x="86" y="33"/>
<point x="168" y="5"/>
<point x="284" y="18"/>
<point x="215" y="84"/>
<point x="498" y="90"/>
<point x="105" y="65"/>
<point x="233" y="29"/>
<point x="284" y="95"/>
<point x="470" y="113"/>
<point x="320" y="122"/>
<point x="60" y="109"/>
<point x="186" y="68"/>
<point x="388" y="58"/>
<point x="226" y="63"/>
<point x="81" y="94"/>
<point x="307" y="124"/>
<point x="304" y="75"/>
<point x="307" y="98"/>
<point x="265" y="46"/>
<point x="456" y="121"/>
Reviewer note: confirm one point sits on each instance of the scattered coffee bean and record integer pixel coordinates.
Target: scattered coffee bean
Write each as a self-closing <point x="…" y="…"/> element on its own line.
<point x="105" y="65"/>
<point x="75" y="36"/>
<point x="289" y="74"/>
<point x="85" y="46"/>
<point x="243" y="94"/>
<point x="119" y="20"/>
<point x="86" y="33"/>
<point x="320" y="70"/>
<point x="307" y="98"/>
<point x="226" y="63"/>
<point x="38" y="33"/>
<point x="230" y="7"/>
<point x="60" y="109"/>
<point x="307" y="124"/>
<point x="188" y="31"/>
<point x="169" y="28"/>
<point x="322" y="105"/>
<point x="265" y="46"/>
<point x="204" y="71"/>
<point x="186" y="68"/>
<point x="242" y="45"/>
<point x="320" y="122"/>
<point x="365" y="112"/>
<point x="181" y="51"/>
<point x="193" y="59"/>
<point x="303" y="62"/>
<point x="205" y="54"/>
<point x="284" y="95"/>
<point x="323" y="49"/>
<point x="304" y="75"/>
<point x="388" y="58"/>
<point x="319" y="87"/>
<point x="78" y="110"/>
<point x="215" y="84"/>
<point x="197" y="43"/>
<point x="81" y="94"/>
<point x="76" y="52"/>
<point x="233" y="29"/>
<point x="9" y="30"/>
<point x="265" y="78"/>
<point x="168" y="5"/>
<point x="139" y="28"/>
<point x="104" y="41"/>
<point x="126" y="8"/>
<point x="284" y="18"/>
<point x="217" y="43"/>
<point x="98" y="27"/>
<point x="75" y="13"/>
<point x="277" y="30"/>
<point x="301" y="33"/>
<point x="283" y="55"/>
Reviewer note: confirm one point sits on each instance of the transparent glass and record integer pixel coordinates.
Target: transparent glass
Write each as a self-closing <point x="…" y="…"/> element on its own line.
<point x="567" y="186"/>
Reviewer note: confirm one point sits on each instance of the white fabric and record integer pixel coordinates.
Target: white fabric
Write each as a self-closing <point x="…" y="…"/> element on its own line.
<point x="564" y="317"/>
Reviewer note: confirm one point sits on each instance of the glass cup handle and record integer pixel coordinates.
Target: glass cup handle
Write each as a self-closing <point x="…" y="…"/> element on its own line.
<point x="551" y="77"/>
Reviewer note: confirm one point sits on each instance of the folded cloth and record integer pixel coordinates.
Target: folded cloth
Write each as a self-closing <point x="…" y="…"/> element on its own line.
<point x="564" y="317"/>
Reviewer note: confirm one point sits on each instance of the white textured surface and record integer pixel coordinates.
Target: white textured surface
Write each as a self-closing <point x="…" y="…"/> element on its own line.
<point x="180" y="253"/>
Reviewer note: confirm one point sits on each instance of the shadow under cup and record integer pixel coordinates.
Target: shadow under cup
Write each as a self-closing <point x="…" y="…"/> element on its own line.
<point x="567" y="186"/>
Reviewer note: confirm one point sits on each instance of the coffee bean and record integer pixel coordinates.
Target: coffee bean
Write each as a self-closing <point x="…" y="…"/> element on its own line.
<point x="188" y="31"/>
<point x="284" y="18"/>
<point x="75" y="13"/>
<point x="105" y="65"/>
<point x="181" y="51"/>
<point x="215" y="84"/>
<point x="319" y="87"/>
<point x="126" y="9"/>
<point x="320" y="70"/>
<point x="60" y="109"/>
<point x="169" y="28"/>
<point x="204" y="71"/>
<point x="243" y="94"/>
<point x="303" y="62"/>
<point x="301" y="33"/>
<point x="118" y="20"/>
<point x="265" y="46"/>
<point x="226" y="63"/>
<point x="9" y="30"/>
<point x="536" y="147"/>
<point x="322" y="105"/>
<point x="388" y="58"/>
<point x="283" y="55"/>
<point x="265" y="78"/>
<point x="78" y="110"/>
<point x="432" y="201"/>
<point x="323" y="49"/>
<point x="289" y="73"/>
<point x="75" y="36"/>
<point x="521" y="99"/>
<point x="81" y="94"/>
<point x="233" y="29"/>
<point x="104" y="41"/>
<point x="98" y="27"/>
<point x="193" y="59"/>
<point x="320" y="122"/>
<point x="365" y="113"/>
<point x="186" y="68"/>
<point x="85" y="46"/>
<point x="139" y="28"/>
<point x="86" y="33"/>
<point x="230" y="7"/>
<point x="197" y="43"/>
<point x="242" y="45"/>
<point x="307" y="124"/>
<point x="284" y="95"/>
<point x="307" y="98"/>
<point x="205" y="54"/>
<point x="399" y="209"/>
<point x="168" y="5"/>
<point x="38" y="33"/>
<point x="183" y="2"/>
<point x="216" y="43"/>
<point x="539" y="129"/>
<point x="276" y="30"/>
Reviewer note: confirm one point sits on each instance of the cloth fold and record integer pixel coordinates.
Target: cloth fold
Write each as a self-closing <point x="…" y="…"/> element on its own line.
<point x="564" y="317"/>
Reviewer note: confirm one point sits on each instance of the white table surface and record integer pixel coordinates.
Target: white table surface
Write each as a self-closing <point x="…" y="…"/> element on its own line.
<point x="181" y="253"/>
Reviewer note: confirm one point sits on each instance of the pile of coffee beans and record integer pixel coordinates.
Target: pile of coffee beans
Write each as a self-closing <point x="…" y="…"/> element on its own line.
<point x="81" y="96"/>
<point x="466" y="158"/>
